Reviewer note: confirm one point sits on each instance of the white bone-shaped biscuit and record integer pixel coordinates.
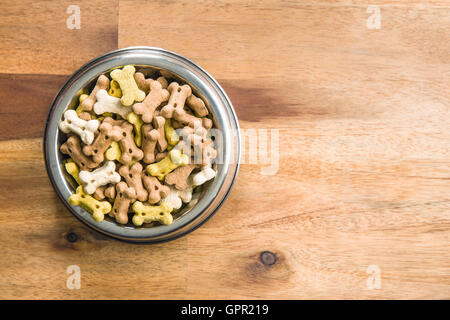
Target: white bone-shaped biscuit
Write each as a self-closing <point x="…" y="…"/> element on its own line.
<point x="207" y="173"/>
<point x="99" y="177"/>
<point x="107" y="103"/>
<point x="85" y="129"/>
<point x="176" y="197"/>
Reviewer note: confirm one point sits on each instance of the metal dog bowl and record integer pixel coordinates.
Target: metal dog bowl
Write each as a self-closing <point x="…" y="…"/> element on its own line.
<point x="214" y="192"/>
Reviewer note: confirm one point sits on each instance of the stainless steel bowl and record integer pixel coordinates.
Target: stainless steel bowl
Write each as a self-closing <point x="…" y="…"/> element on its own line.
<point x="214" y="193"/>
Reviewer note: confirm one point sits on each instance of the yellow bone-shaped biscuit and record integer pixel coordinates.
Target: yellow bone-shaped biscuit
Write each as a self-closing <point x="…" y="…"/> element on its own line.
<point x="168" y="164"/>
<point x="130" y="90"/>
<point x="171" y="135"/>
<point x="114" y="89"/>
<point x="113" y="152"/>
<point x="137" y="123"/>
<point x="97" y="208"/>
<point x="72" y="169"/>
<point x="147" y="214"/>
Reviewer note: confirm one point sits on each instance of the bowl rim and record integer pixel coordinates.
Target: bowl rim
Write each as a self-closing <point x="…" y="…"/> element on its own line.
<point x="190" y="224"/>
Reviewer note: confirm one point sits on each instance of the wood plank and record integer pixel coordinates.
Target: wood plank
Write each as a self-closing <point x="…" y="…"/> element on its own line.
<point x="363" y="121"/>
<point x="35" y="37"/>
<point x="26" y="101"/>
<point x="363" y="145"/>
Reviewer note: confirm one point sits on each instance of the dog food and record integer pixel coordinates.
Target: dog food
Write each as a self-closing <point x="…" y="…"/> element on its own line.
<point x="137" y="148"/>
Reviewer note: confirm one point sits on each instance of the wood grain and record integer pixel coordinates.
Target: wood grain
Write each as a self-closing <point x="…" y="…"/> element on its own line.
<point x="26" y="99"/>
<point x="35" y="37"/>
<point x="363" y="119"/>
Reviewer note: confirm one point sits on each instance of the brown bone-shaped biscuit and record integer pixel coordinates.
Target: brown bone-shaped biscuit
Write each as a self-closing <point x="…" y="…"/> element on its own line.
<point x="153" y="100"/>
<point x="113" y="122"/>
<point x="99" y="193"/>
<point x="203" y="146"/>
<point x="178" y="96"/>
<point x="144" y="84"/>
<point x="191" y="120"/>
<point x="155" y="189"/>
<point x="179" y="176"/>
<point x="130" y="151"/>
<point x="102" y="83"/>
<point x="72" y="147"/>
<point x="105" y="192"/>
<point x="150" y="137"/>
<point x="158" y="124"/>
<point x="133" y="177"/>
<point x="197" y="105"/>
<point x="110" y="192"/>
<point x="108" y="133"/>
<point x="163" y="81"/>
<point x="141" y="82"/>
<point x="208" y="152"/>
<point x="125" y="196"/>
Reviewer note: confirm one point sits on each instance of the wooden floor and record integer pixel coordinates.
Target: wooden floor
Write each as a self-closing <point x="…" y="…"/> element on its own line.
<point x="360" y="205"/>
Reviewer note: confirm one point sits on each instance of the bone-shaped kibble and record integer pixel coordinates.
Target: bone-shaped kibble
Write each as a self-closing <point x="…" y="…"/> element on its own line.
<point x="153" y="100"/>
<point x="130" y="90"/>
<point x="168" y="164"/>
<point x="97" y="208"/>
<point x="175" y="107"/>
<point x="113" y="152"/>
<point x="72" y="147"/>
<point x="72" y="169"/>
<point x="129" y="149"/>
<point x="171" y="135"/>
<point x="85" y="129"/>
<point x="179" y="176"/>
<point x="99" y="193"/>
<point x="163" y="82"/>
<point x="102" y="83"/>
<point x="147" y="214"/>
<point x="133" y="177"/>
<point x="177" y="197"/>
<point x="114" y="89"/>
<point x="144" y="84"/>
<point x="113" y="122"/>
<point x="108" y="134"/>
<point x="105" y="192"/>
<point x="137" y="123"/>
<point x="197" y="138"/>
<point x="110" y="192"/>
<point x="106" y="103"/>
<point x="197" y="105"/>
<point x="158" y="124"/>
<point x="207" y="173"/>
<point x="191" y="120"/>
<point x="150" y="138"/>
<point x="155" y="189"/>
<point x="178" y="96"/>
<point x="99" y="177"/>
<point x="124" y="197"/>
